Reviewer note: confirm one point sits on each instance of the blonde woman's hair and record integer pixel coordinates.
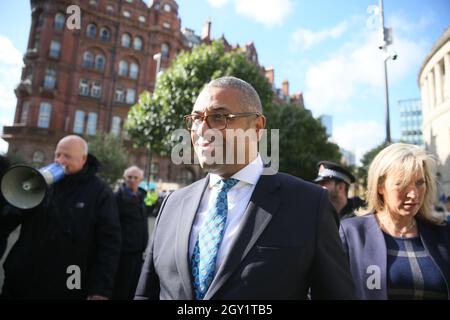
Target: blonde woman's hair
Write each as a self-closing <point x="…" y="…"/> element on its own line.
<point x="407" y="161"/>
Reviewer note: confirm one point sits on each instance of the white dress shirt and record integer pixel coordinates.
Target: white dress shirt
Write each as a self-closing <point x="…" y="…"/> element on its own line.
<point x="238" y="199"/>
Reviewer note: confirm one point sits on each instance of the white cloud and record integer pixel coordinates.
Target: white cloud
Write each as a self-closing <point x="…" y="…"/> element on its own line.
<point x="356" y="69"/>
<point x="303" y="39"/>
<point x="10" y="70"/>
<point x="217" y="3"/>
<point x="359" y="136"/>
<point x="268" y="12"/>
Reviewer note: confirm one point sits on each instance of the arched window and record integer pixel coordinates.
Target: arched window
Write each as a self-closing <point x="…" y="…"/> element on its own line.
<point x="91" y="30"/>
<point x="167" y="7"/>
<point x="165" y="50"/>
<point x="104" y="34"/>
<point x="88" y="60"/>
<point x="137" y="43"/>
<point x="100" y="62"/>
<point x="60" y="20"/>
<point x="126" y="40"/>
<point x="134" y="71"/>
<point x="123" y="68"/>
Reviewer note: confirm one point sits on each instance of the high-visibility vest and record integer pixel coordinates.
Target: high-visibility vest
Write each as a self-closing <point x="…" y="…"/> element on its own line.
<point x="151" y="198"/>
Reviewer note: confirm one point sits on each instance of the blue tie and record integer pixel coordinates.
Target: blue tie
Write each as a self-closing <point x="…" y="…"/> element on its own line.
<point x="203" y="263"/>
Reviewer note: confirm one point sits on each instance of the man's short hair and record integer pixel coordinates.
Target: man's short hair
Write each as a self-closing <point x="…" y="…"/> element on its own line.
<point x="249" y="98"/>
<point x="134" y="168"/>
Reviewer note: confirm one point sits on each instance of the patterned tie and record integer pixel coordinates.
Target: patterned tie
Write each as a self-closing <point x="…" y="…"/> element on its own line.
<point x="203" y="263"/>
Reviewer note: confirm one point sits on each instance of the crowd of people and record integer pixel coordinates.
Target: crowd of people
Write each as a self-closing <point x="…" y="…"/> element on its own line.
<point x="242" y="232"/>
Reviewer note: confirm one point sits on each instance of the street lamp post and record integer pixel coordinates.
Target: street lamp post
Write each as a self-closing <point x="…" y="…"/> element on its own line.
<point x="157" y="58"/>
<point x="386" y="34"/>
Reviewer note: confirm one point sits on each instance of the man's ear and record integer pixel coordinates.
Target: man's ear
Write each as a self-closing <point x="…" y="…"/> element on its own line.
<point x="84" y="159"/>
<point x="260" y="124"/>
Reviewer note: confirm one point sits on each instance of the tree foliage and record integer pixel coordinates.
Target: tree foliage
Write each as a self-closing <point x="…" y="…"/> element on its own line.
<point x="108" y="149"/>
<point x="154" y="117"/>
<point x="367" y="160"/>
<point x="303" y="140"/>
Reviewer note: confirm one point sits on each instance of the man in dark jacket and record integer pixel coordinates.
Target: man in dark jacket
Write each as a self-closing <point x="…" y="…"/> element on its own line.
<point x="337" y="180"/>
<point x="69" y="245"/>
<point x="134" y="224"/>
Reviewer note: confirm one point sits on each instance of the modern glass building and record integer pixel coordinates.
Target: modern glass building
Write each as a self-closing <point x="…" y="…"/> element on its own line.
<point x="411" y="121"/>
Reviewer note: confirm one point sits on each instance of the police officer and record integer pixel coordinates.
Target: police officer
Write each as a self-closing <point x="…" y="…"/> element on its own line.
<point x="337" y="181"/>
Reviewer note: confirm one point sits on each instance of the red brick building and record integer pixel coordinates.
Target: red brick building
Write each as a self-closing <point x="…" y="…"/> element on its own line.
<point x="84" y="81"/>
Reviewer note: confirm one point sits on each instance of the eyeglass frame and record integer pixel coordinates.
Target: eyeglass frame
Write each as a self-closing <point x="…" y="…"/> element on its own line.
<point x="227" y="117"/>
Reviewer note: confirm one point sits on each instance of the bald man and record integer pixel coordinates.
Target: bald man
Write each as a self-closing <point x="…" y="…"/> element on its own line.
<point x="69" y="246"/>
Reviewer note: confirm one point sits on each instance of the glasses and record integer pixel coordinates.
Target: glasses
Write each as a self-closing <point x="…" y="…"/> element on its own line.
<point x="214" y="121"/>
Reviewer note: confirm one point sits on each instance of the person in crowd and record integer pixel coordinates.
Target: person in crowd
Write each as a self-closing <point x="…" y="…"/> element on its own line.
<point x="337" y="180"/>
<point x="243" y="231"/>
<point x="134" y="225"/>
<point x="151" y="200"/>
<point x="4" y="165"/>
<point x="69" y="245"/>
<point x="399" y="249"/>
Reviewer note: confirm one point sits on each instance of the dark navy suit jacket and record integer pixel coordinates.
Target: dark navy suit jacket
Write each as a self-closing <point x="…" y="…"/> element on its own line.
<point x="364" y="243"/>
<point x="287" y="243"/>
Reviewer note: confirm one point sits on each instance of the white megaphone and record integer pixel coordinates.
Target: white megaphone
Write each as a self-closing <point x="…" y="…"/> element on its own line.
<point x="25" y="187"/>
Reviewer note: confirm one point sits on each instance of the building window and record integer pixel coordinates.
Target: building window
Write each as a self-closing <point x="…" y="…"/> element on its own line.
<point x="88" y="60"/>
<point x="91" y="124"/>
<point x="123" y="68"/>
<point x="45" y="111"/>
<point x="137" y="43"/>
<point x="93" y="3"/>
<point x="165" y="50"/>
<point x="83" y="88"/>
<point x="134" y="71"/>
<point x="100" y="62"/>
<point x="142" y="19"/>
<point x="55" y="49"/>
<point x="115" y="126"/>
<point x="104" y="34"/>
<point x="91" y="30"/>
<point x="38" y="157"/>
<point x="166" y="25"/>
<point x="78" y="125"/>
<point x="40" y="20"/>
<point x="119" y="95"/>
<point x="129" y="1"/>
<point x="126" y="40"/>
<point x="24" y="113"/>
<point x="110" y="8"/>
<point x="126" y="14"/>
<point x="96" y="90"/>
<point x="50" y="79"/>
<point x="167" y="7"/>
<point x="60" y="20"/>
<point x="131" y="93"/>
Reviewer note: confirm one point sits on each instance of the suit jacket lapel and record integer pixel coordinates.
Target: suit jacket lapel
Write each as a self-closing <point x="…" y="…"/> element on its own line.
<point x="375" y="259"/>
<point x="188" y="210"/>
<point x="434" y="242"/>
<point x="262" y="206"/>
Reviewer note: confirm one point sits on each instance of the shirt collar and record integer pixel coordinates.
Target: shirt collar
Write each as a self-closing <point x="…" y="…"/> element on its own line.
<point x="249" y="174"/>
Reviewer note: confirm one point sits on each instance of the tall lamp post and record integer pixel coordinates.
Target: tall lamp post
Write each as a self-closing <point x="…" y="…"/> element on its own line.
<point x="386" y="40"/>
<point x="157" y="58"/>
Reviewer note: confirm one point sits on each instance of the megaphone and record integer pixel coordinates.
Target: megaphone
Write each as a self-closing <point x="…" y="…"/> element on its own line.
<point x="25" y="187"/>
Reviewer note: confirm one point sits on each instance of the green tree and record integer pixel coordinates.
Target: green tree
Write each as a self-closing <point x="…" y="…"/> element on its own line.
<point x="303" y="140"/>
<point x="151" y="121"/>
<point x="108" y="149"/>
<point x="367" y="160"/>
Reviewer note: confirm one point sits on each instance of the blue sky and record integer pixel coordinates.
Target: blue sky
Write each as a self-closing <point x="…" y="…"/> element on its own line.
<point x="327" y="49"/>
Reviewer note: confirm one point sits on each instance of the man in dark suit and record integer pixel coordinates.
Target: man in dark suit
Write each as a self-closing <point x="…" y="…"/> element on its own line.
<point x="243" y="232"/>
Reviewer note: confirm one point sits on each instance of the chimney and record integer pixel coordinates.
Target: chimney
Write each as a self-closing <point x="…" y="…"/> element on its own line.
<point x="285" y="88"/>
<point x="270" y="75"/>
<point x="206" y="34"/>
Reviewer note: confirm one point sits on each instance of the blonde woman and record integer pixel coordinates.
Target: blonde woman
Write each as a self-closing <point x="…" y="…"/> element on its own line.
<point x="399" y="250"/>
